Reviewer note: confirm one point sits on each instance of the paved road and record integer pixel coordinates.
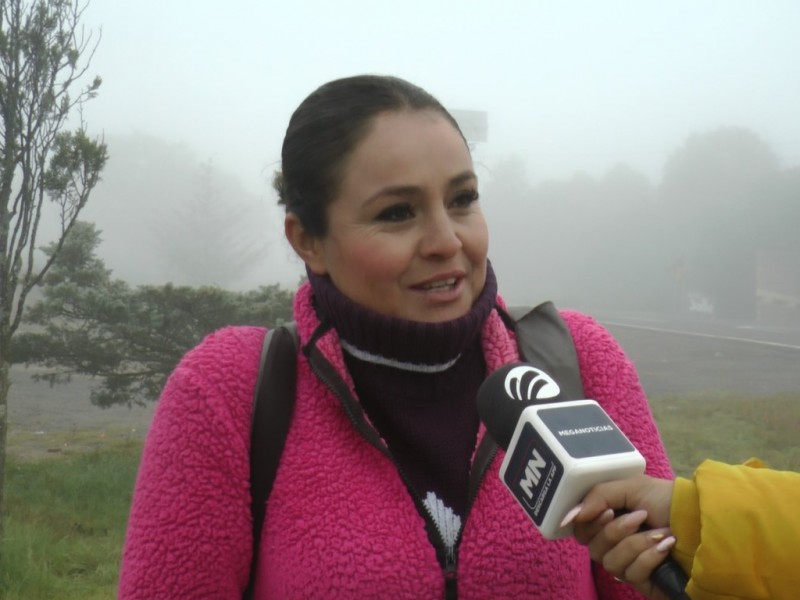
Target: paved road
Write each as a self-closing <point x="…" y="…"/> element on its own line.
<point x="711" y="358"/>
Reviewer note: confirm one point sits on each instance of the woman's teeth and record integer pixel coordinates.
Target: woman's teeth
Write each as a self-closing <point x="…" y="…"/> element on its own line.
<point x="438" y="285"/>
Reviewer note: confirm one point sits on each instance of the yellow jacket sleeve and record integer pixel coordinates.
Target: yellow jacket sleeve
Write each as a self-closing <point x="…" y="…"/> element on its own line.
<point x="738" y="532"/>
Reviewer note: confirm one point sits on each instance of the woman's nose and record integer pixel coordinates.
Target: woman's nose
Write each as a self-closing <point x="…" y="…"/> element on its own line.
<point x="439" y="236"/>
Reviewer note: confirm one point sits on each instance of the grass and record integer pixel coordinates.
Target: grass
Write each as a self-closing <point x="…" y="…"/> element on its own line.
<point x="65" y="522"/>
<point x="66" y="514"/>
<point x="730" y="429"/>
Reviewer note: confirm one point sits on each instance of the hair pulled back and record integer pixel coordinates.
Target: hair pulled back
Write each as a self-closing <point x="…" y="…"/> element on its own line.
<point x="326" y="128"/>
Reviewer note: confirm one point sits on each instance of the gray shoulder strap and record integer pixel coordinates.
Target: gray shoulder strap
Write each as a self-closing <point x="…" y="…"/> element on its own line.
<point x="545" y="341"/>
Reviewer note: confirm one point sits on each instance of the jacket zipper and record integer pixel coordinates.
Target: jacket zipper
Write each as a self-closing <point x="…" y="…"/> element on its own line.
<point x="448" y="557"/>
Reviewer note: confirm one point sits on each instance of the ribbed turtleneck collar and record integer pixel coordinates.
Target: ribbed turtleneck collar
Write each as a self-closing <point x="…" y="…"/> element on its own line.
<point x="411" y="345"/>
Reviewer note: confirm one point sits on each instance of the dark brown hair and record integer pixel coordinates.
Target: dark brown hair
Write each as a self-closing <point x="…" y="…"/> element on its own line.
<point x="326" y="128"/>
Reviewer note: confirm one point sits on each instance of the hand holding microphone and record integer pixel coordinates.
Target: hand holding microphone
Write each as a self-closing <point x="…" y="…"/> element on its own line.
<point x="556" y="452"/>
<point x="624" y="548"/>
<point x="637" y="493"/>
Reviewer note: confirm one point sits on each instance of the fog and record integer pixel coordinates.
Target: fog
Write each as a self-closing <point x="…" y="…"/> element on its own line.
<point x="591" y="175"/>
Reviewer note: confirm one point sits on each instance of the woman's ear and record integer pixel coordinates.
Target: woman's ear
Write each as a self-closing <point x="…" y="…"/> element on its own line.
<point x="307" y="246"/>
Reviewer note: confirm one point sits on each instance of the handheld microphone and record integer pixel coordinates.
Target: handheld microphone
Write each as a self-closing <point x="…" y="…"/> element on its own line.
<point x="556" y="452"/>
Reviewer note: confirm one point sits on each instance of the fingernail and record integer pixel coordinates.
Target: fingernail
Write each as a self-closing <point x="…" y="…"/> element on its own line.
<point x="666" y="544"/>
<point x="658" y="534"/>
<point x="570" y="516"/>
<point x="607" y="516"/>
<point x="635" y="518"/>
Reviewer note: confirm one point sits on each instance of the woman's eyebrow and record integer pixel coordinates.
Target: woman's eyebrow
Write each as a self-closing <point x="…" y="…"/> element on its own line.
<point x="393" y="190"/>
<point x="411" y="190"/>
<point x="466" y="176"/>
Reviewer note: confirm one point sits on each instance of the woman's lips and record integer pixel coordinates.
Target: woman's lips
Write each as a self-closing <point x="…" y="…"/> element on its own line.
<point x="445" y="289"/>
<point x="439" y="285"/>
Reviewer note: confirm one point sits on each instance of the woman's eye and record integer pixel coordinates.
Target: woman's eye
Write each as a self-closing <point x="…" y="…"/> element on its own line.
<point x="465" y="199"/>
<point x="395" y="213"/>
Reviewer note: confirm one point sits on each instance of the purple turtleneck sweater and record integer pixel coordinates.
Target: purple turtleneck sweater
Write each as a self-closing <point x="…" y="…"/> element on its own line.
<point x="418" y="384"/>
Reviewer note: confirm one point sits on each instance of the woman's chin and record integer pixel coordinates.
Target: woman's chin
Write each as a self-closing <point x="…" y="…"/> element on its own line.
<point x="436" y="312"/>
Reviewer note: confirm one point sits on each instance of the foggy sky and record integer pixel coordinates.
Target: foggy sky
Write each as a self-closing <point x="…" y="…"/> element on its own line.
<point x="568" y="86"/>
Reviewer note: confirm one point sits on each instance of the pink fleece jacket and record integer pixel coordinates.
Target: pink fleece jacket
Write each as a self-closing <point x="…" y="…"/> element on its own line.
<point x="340" y="522"/>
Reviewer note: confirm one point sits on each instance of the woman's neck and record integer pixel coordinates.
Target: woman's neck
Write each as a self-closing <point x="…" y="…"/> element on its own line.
<point x="400" y="343"/>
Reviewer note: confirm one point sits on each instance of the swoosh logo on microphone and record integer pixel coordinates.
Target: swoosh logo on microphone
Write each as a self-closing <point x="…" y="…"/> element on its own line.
<point x="527" y="383"/>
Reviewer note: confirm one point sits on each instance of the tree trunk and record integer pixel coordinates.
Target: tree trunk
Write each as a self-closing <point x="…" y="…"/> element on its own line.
<point x="5" y="385"/>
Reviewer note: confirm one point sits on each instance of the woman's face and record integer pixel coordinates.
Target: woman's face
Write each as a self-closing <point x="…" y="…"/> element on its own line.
<point x="406" y="235"/>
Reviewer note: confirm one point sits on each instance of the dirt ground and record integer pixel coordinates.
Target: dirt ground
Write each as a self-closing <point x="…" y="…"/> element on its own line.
<point x="48" y="422"/>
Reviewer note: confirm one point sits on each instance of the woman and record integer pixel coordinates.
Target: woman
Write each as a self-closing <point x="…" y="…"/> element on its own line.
<point x="734" y="528"/>
<point x="388" y="485"/>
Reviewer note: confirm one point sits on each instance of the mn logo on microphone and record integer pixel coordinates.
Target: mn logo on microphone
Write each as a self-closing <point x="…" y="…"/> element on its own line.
<point x="526" y="383"/>
<point x="533" y="473"/>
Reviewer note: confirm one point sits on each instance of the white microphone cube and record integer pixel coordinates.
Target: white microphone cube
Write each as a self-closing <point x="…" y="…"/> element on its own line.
<point x="558" y="452"/>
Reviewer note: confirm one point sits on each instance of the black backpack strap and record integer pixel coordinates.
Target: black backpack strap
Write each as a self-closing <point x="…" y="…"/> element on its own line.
<point x="545" y="342"/>
<point x="273" y="404"/>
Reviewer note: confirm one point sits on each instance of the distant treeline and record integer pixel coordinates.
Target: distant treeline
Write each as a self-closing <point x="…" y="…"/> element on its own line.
<point x="721" y="228"/>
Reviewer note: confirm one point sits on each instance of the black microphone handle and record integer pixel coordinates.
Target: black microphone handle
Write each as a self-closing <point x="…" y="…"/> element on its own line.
<point x="667" y="576"/>
<point x="670" y="579"/>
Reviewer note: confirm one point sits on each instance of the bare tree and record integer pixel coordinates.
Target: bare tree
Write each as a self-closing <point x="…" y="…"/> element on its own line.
<point x="44" y="168"/>
<point x="208" y="238"/>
